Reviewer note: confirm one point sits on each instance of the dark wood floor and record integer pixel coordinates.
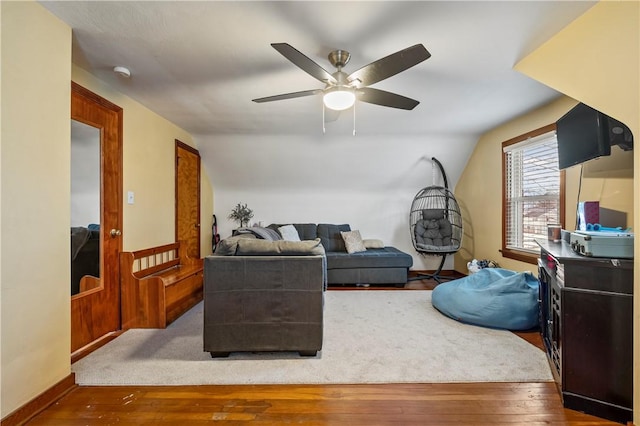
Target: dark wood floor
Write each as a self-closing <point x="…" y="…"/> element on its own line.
<point x="463" y="404"/>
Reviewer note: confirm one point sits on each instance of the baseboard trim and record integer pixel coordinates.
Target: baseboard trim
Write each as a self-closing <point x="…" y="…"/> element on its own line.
<point x="96" y="344"/>
<point x="444" y="272"/>
<point x="29" y="410"/>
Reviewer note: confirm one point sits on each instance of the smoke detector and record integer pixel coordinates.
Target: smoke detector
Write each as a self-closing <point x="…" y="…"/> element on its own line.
<point x="122" y="71"/>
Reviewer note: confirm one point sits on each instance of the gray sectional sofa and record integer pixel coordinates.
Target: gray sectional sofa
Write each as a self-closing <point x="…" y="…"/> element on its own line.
<point x="377" y="265"/>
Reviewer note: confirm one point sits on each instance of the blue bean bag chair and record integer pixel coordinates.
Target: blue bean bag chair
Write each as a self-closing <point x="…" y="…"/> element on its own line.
<point x="492" y="297"/>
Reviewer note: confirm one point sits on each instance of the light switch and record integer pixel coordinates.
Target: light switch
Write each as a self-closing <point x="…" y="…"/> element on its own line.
<point x="130" y="197"/>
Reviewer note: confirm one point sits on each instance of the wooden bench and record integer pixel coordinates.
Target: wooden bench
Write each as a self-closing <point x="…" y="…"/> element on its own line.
<point x="158" y="285"/>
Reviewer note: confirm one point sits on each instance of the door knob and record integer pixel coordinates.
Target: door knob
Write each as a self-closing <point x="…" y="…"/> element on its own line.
<point x="115" y="233"/>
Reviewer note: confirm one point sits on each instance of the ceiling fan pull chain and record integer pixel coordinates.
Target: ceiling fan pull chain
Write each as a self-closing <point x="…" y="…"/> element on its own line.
<point x="354" y="119"/>
<point x="323" y="129"/>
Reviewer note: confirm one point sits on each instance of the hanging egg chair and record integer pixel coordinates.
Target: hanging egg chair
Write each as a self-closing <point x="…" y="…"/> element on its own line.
<point x="435" y="224"/>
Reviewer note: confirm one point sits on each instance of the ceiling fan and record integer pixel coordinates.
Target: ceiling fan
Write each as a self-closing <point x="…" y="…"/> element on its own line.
<point x="342" y="90"/>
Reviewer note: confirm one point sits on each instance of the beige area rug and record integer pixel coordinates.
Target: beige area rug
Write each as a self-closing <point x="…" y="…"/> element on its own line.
<point x="369" y="337"/>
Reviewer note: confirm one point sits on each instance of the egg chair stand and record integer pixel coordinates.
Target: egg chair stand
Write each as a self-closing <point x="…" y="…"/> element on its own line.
<point x="432" y="276"/>
<point x="435" y="224"/>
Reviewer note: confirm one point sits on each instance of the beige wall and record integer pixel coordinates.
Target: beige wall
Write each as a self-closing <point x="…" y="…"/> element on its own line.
<point x="35" y="198"/>
<point x="479" y="189"/>
<point x="34" y="235"/>
<point x="596" y="60"/>
<point x="149" y="171"/>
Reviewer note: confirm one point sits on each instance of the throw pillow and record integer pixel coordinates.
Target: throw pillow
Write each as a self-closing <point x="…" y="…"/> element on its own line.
<point x="289" y="233"/>
<point x="373" y="243"/>
<point x="353" y="241"/>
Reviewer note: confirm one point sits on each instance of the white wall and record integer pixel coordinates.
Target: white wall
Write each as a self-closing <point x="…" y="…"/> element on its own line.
<point x="368" y="182"/>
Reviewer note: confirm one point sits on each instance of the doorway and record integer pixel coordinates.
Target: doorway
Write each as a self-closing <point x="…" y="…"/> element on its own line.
<point x="188" y="198"/>
<point x="95" y="305"/>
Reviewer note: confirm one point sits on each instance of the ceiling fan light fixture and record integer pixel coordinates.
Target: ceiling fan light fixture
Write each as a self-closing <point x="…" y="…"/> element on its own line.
<point x="339" y="98"/>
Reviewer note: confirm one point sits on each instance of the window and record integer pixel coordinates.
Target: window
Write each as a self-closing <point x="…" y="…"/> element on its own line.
<point x="532" y="192"/>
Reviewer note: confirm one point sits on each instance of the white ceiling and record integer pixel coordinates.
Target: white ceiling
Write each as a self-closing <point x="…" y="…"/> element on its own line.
<point x="199" y="64"/>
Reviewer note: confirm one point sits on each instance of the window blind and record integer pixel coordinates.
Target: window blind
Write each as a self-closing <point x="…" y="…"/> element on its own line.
<point x="532" y="190"/>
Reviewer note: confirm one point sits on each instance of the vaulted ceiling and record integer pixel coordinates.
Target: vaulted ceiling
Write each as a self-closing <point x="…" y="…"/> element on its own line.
<point x="199" y="64"/>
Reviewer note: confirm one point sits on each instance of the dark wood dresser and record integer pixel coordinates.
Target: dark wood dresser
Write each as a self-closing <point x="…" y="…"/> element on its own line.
<point x="586" y="320"/>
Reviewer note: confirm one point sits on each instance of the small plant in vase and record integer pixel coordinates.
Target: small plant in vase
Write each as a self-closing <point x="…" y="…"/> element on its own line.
<point x="241" y="213"/>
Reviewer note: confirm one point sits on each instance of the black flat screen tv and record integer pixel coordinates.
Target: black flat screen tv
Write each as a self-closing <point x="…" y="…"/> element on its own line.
<point x="584" y="133"/>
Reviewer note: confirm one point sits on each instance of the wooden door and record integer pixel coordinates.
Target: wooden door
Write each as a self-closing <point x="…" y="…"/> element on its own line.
<point x="188" y="197"/>
<point x="96" y="312"/>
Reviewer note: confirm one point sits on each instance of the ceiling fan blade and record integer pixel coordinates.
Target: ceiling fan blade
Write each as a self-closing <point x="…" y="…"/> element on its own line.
<point x="389" y="65"/>
<point x="388" y="99"/>
<point x="288" y="96"/>
<point x="304" y="63"/>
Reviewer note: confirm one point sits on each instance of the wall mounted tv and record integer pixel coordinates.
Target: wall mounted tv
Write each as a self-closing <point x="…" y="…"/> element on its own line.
<point x="584" y="133"/>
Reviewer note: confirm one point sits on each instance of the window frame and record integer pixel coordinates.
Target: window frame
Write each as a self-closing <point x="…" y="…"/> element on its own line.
<point x="518" y="254"/>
